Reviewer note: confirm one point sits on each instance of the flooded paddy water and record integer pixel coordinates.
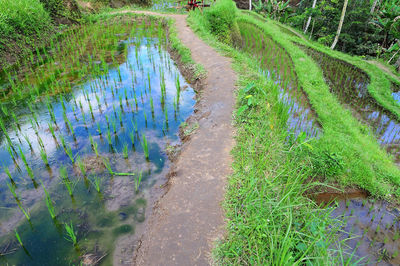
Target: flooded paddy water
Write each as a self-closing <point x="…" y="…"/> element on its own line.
<point x="276" y="64"/>
<point x="83" y="139"/>
<point x="370" y="228"/>
<point x="350" y="85"/>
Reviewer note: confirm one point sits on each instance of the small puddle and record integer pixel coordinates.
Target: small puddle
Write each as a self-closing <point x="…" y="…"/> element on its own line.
<point x="371" y="228"/>
<point x="276" y="64"/>
<point x="113" y="102"/>
<point x="350" y="85"/>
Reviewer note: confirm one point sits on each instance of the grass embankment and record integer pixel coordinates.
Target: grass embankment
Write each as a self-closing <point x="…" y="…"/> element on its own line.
<point x="380" y="81"/>
<point x="270" y="219"/>
<point x="24" y="24"/>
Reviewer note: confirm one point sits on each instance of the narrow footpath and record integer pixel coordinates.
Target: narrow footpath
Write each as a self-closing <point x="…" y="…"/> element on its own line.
<point x="189" y="218"/>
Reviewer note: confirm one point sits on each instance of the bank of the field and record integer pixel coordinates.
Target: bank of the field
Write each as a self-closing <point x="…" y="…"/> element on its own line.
<point x="270" y="219"/>
<point x="380" y="81"/>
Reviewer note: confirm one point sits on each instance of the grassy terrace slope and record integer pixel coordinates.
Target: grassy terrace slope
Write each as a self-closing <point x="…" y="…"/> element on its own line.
<point x="365" y="164"/>
<point x="380" y="81"/>
<point x="270" y="219"/>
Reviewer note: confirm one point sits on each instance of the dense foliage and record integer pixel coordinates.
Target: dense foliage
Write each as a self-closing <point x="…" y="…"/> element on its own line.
<point x="23" y="23"/>
<point x="19" y="18"/>
<point x="370" y="28"/>
<point x="62" y="9"/>
<point x="221" y="20"/>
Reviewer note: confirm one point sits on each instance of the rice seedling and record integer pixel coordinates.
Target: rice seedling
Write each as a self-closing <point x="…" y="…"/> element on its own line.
<point x="138" y="180"/>
<point x="10" y="151"/>
<point x="125" y="151"/>
<point x="15" y="119"/>
<point x="43" y="155"/>
<point x="71" y="235"/>
<point x="51" y="129"/>
<point x="12" y="188"/>
<point x="28" y="168"/>
<point x="28" y="141"/>
<point x="26" y="213"/>
<point x="145" y="146"/>
<point x="178" y="88"/>
<point x="18" y="237"/>
<point x="109" y="137"/>
<point x="3" y="128"/>
<point x="49" y="203"/>
<point x="68" y="151"/>
<point x="96" y="182"/>
<point x="65" y="180"/>
<point x="98" y="128"/>
<point x="8" y="173"/>
<point x="81" y="166"/>
<point x="120" y="118"/>
<point x="114" y="126"/>
<point x="107" y="165"/>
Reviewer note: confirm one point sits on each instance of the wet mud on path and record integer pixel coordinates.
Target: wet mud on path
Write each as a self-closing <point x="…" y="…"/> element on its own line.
<point x="189" y="218"/>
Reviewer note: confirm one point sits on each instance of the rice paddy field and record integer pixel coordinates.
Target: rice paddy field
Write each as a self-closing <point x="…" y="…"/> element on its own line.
<point x="369" y="228"/>
<point x="87" y="124"/>
<point x="84" y="129"/>
<point x="336" y="117"/>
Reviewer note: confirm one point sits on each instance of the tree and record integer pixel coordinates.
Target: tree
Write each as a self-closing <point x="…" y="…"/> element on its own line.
<point x="340" y="24"/>
<point x="309" y="18"/>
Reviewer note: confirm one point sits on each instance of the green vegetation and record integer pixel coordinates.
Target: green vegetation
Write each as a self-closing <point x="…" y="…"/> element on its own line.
<point x="364" y="163"/>
<point x="52" y="130"/>
<point x="59" y="10"/>
<point x="380" y="81"/>
<point x="271" y="216"/>
<point x="369" y="28"/>
<point x="221" y="20"/>
<point x="267" y="195"/>
<point x="70" y="233"/>
<point x="24" y="24"/>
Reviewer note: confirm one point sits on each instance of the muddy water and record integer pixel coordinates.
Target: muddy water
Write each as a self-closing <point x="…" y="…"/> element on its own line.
<point x="113" y="113"/>
<point x="371" y="228"/>
<point x="350" y="84"/>
<point x="276" y="64"/>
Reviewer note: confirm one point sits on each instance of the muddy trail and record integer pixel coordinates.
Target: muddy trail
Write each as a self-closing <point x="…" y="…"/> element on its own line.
<point x="188" y="219"/>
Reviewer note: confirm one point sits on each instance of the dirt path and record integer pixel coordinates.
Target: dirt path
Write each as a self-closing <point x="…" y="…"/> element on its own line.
<point x="384" y="68"/>
<point x="189" y="217"/>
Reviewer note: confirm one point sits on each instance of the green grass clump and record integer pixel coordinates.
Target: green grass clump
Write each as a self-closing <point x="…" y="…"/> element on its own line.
<point x="221" y="20"/>
<point x="22" y="23"/>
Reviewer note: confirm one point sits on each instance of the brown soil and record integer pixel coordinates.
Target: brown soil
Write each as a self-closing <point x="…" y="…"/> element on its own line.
<point x="189" y="218"/>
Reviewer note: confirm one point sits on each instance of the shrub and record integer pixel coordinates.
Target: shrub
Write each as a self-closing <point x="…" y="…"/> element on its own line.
<point x="65" y="9"/>
<point x="22" y="18"/>
<point x="221" y="20"/>
<point x="23" y="25"/>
